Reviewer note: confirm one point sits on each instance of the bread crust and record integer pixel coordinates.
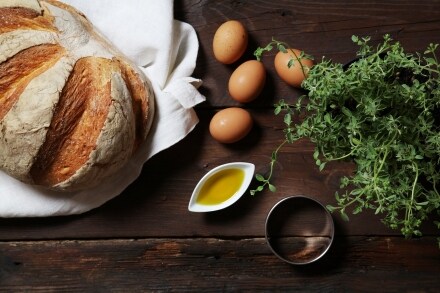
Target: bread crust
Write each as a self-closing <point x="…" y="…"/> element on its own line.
<point x="73" y="109"/>
<point x="29" y="4"/>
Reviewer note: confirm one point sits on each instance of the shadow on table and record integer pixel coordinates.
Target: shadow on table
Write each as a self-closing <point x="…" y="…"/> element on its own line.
<point x="332" y="260"/>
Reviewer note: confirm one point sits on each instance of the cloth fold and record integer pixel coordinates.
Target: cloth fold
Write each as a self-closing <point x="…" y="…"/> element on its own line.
<point x="166" y="50"/>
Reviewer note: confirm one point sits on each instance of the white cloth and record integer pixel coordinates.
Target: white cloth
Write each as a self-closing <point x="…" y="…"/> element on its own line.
<point x="166" y="50"/>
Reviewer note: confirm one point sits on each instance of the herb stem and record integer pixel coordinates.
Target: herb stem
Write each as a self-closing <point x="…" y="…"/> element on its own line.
<point x="382" y="162"/>
<point x="435" y="189"/>
<point x="338" y="158"/>
<point x="409" y="209"/>
<point x="298" y="58"/>
<point x="431" y="70"/>
<point x="274" y="159"/>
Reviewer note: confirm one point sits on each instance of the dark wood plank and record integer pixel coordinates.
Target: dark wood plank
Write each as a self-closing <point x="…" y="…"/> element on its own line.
<point x="354" y="264"/>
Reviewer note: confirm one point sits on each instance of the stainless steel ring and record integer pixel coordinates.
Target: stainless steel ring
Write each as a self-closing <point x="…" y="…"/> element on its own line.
<point x="299" y="230"/>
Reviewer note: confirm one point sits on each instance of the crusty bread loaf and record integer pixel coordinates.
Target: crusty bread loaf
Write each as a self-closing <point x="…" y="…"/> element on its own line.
<point x="72" y="108"/>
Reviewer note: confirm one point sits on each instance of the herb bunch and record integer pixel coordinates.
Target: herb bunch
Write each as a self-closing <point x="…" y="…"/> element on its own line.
<point x="381" y="112"/>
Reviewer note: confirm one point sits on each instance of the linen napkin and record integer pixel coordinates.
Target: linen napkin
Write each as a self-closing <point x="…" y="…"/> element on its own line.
<point x="166" y="50"/>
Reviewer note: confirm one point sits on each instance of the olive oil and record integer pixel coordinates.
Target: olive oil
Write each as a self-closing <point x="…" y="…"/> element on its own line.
<point x="221" y="186"/>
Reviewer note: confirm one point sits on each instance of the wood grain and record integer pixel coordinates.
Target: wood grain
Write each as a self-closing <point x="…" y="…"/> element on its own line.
<point x="354" y="264"/>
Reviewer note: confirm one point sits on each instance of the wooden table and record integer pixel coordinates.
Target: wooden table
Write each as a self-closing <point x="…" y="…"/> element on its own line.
<point x="146" y="240"/>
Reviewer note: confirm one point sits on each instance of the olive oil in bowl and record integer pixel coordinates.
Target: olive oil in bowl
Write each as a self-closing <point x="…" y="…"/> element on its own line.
<point x="221" y="187"/>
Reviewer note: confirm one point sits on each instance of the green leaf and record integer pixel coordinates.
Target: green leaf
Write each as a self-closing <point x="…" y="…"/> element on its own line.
<point x="346" y="112"/>
<point x="430" y="61"/>
<point x="330" y="208"/>
<point x="357" y="210"/>
<point x="356" y="191"/>
<point x="282" y="48"/>
<point x="272" y="188"/>
<point x="344" y="216"/>
<point x="259" y="177"/>
<point x="355" y="141"/>
<point x="378" y="210"/>
<point x="316" y="154"/>
<point x="288" y="119"/>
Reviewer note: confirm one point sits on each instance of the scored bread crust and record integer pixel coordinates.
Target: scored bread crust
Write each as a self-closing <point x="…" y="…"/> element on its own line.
<point x="73" y="109"/>
<point x="30" y="4"/>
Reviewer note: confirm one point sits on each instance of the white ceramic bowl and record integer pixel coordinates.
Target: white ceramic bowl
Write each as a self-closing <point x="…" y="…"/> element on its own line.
<point x="248" y="169"/>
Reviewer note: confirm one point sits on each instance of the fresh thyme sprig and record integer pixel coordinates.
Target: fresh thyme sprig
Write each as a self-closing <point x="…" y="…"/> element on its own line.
<point x="381" y="112"/>
<point x="281" y="46"/>
<point x="284" y="48"/>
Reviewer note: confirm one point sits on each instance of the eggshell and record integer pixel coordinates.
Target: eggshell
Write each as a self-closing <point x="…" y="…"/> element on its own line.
<point x="295" y="74"/>
<point x="230" y="42"/>
<point x="230" y="125"/>
<point x="247" y="81"/>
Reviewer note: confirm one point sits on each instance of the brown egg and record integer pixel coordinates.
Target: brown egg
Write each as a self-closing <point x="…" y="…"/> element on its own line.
<point x="297" y="72"/>
<point x="247" y="81"/>
<point x="230" y="125"/>
<point x="230" y="42"/>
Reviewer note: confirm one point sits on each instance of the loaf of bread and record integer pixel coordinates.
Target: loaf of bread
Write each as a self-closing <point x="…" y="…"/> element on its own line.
<point x="73" y="109"/>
